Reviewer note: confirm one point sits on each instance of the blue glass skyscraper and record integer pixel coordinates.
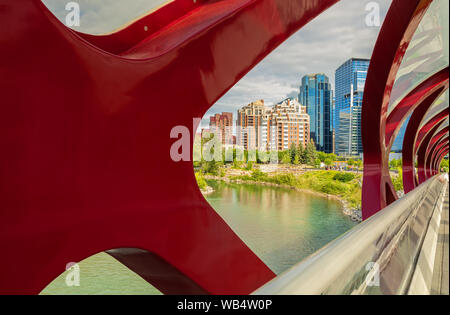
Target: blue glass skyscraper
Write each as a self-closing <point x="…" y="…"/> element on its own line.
<point x="316" y="94"/>
<point x="398" y="142"/>
<point x="350" y="80"/>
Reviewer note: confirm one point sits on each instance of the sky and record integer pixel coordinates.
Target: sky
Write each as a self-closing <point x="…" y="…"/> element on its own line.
<point x="322" y="46"/>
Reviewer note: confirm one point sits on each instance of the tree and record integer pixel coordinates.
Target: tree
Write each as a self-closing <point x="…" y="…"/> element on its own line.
<point x="317" y="163"/>
<point x="285" y="158"/>
<point x="398" y="181"/>
<point x="211" y="167"/>
<point x="395" y="163"/>
<point x="292" y="152"/>
<point x="300" y="150"/>
<point x="328" y="162"/>
<point x="333" y="157"/>
<point x="350" y="162"/>
<point x="310" y="153"/>
<point x="444" y="165"/>
<point x="322" y="156"/>
<point x="358" y="164"/>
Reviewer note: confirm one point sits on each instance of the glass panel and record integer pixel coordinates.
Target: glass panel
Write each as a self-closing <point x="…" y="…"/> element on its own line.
<point x="426" y="54"/>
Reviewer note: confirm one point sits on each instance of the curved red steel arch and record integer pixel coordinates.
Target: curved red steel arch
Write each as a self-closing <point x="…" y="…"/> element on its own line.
<point x="400" y="24"/>
<point x="441" y="154"/>
<point x="437" y="137"/>
<point x="429" y="157"/>
<point x="428" y="126"/>
<point x="440" y="158"/>
<point x="438" y="149"/>
<point x="422" y="152"/>
<point x="409" y="140"/>
<point x="410" y="102"/>
<point x="85" y="136"/>
<point x="434" y="144"/>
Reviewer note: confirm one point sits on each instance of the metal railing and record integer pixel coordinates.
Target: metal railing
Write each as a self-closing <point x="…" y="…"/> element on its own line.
<point x="376" y="257"/>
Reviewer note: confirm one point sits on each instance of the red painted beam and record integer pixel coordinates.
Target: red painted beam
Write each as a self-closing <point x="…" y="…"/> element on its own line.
<point x="409" y="140"/>
<point x="85" y="134"/>
<point x="424" y="131"/>
<point x="440" y="156"/>
<point x="421" y="153"/>
<point x="435" y="144"/>
<point x="441" y="147"/>
<point x="399" y="26"/>
<point x="410" y="102"/>
<point x="437" y="137"/>
<point x="431" y="155"/>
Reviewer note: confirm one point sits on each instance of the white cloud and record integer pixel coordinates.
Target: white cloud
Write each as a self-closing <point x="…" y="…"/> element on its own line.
<point x="321" y="46"/>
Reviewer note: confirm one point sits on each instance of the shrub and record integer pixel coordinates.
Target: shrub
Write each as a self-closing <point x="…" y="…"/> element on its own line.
<point x="398" y="181"/>
<point x="334" y="188"/>
<point x="284" y="179"/>
<point x="344" y="177"/>
<point x="258" y="175"/>
<point x="201" y="181"/>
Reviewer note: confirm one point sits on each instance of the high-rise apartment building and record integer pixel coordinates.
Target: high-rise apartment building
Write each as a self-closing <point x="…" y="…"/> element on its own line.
<point x="350" y="79"/>
<point x="316" y="94"/>
<point x="248" y="125"/>
<point x="222" y="126"/>
<point x="272" y="128"/>
<point x="285" y="124"/>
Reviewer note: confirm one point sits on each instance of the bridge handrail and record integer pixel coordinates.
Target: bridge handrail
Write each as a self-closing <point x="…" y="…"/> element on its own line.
<point x="376" y="257"/>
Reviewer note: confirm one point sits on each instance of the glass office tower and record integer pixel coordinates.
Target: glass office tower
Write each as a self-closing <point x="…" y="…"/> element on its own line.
<point x="398" y="142"/>
<point x="316" y="94"/>
<point x="350" y="79"/>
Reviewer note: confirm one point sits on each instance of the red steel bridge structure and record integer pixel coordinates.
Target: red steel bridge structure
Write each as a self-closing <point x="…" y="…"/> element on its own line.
<point x="85" y="168"/>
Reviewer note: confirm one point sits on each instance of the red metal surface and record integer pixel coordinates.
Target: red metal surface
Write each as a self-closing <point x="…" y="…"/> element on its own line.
<point x="398" y="28"/>
<point x="439" y="147"/>
<point x="422" y="153"/>
<point x="439" y="160"/>
<point x="408" y="104"/>
<point x="425" y="130"/>
<point x="434" y="145"/>
<point x="409" y="140"/>
<point x="430" y="154"/>
<point x="85" y="140"/>
<point x="440" y="155"/>
<point x="433" y="148"/>
<point x="436" y="138"/>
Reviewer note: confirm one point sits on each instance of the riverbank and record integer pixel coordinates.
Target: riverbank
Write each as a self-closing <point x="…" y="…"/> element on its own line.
<point x="328" y="184"/>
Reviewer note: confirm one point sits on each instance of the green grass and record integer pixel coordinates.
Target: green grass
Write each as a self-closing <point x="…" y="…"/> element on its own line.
<point x="201" y="182"/>
<point x="343" y="185"/>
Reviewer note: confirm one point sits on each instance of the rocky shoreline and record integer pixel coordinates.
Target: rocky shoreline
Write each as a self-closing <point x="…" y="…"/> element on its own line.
<point x="208" y="190"/>
<point x="354" y="213"/>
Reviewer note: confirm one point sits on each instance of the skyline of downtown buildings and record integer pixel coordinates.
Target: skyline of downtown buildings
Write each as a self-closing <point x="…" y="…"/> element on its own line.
<point x="330" y="118"/>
